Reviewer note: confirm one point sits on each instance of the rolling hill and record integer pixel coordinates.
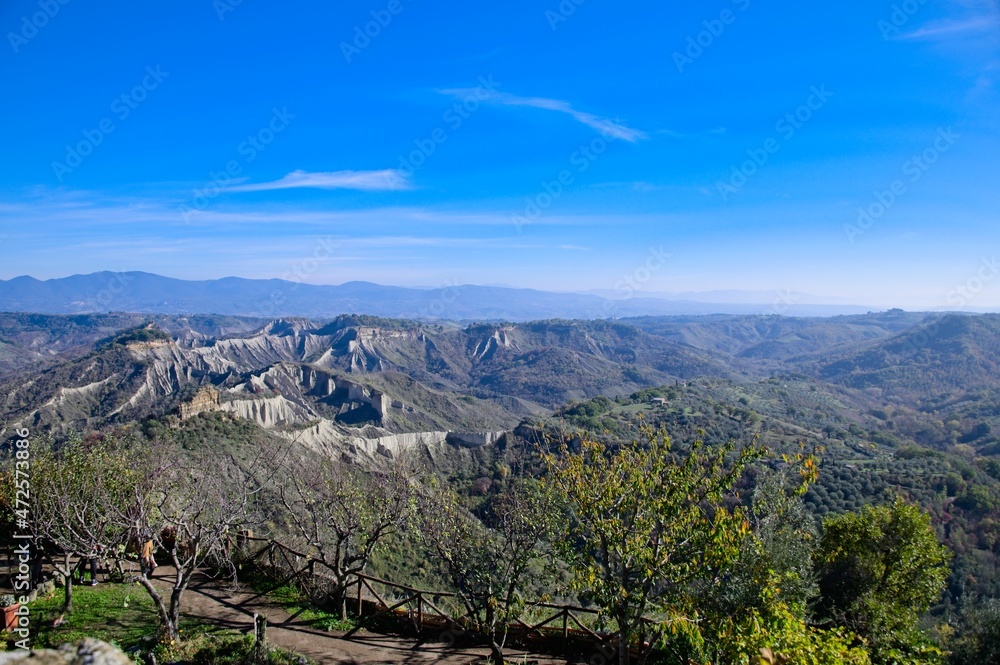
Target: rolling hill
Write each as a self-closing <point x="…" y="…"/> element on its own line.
<point x="270" y="298"/>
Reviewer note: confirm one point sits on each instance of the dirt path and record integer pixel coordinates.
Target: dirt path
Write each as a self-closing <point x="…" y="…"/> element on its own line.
<point x="212" y="603"/>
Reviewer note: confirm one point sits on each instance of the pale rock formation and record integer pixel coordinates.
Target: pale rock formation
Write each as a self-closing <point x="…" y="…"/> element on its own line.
<point x="374" y="443"/>
<point x="269" y="412"/>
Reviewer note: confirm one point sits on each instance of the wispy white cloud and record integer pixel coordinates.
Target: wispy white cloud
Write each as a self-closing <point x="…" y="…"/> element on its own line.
<point x="632" y="185"/>
<point x="944" y="29"/>
<point x="88" y="212"/>
<point x="384" y="180"/>
<point x="604" y="125"/>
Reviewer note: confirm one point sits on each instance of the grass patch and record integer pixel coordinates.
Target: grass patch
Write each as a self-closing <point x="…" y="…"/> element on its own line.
<point x="124" y="615"/>
<point x="222" y="648"/>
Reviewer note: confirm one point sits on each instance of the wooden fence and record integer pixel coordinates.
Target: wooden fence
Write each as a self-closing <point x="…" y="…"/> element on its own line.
<point x="373" y="597"/>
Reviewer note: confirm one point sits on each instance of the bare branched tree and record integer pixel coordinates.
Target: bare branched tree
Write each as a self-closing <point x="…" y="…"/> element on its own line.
<point x="487" y="555"/>
<point x="341" y="514"/>
<point x="76" y="494"/>
<point x="192" y="511"/>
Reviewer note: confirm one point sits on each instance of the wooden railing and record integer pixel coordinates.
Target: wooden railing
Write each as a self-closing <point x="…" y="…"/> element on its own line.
<point x="418" y="606"/>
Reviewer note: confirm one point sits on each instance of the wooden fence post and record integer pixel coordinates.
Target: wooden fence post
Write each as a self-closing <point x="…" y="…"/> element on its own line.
<point x="259" y="654"/>
<point x="361" y="598"/>
<point x="565" y="615"/>
<point x="420" y="612"/>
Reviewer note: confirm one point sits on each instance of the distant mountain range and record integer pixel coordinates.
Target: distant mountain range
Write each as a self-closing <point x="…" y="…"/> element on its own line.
<point x="268" y="298"/>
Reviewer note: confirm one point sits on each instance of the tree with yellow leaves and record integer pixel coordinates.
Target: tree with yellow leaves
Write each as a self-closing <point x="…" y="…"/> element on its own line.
<point x="645" y="521"/>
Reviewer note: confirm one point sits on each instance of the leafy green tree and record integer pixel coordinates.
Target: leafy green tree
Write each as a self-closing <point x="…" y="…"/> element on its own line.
<point x="880" y="569"/>
<point x="978" y="640"/>
<point x="646" y="521"/>
<point x="775" y="560"/>
<point x="759" y="602"/>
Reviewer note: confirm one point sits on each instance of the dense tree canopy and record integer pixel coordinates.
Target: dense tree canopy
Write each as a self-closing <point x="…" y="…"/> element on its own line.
<point x="880" y="569"/>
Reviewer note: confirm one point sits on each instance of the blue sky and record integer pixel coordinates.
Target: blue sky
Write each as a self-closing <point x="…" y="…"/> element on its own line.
<point x="532" y="144"/>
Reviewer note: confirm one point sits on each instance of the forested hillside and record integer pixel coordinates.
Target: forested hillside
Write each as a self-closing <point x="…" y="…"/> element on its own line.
<point x="889" y="406"/>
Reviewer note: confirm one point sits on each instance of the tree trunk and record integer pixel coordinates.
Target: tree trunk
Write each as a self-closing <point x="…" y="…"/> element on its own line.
<point x="493" y="630"/>
<point x="623" y="635"/>
<point x="175" y="610"/>
<point x="68" y="601"/>
<point x="340" y="598"/>
<point x="67" y="573"/>
<point x="175" y="603"/>
<point x="168" y="627"/>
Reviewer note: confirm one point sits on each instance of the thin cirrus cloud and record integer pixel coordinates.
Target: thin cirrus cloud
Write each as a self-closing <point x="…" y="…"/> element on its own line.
<point x="386" y="180"/>
<point x="603" y="125"/>
<point x="943" y="29"/>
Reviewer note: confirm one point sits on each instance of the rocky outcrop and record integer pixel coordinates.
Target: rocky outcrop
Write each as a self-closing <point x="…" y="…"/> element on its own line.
<point x="87" y="651"/>
<point x="488" y="347"/>
<point x="474" y="439"/>
<point x="269" y="412"/>
<point x="206" y="399"/>
<point x="305" y="382"/>
<point x="427" y="378"/>
<point x="139" y="348"/>
<point x="374" y="443"/>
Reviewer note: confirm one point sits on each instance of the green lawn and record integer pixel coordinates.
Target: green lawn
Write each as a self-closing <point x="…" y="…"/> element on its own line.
<point x="124" y="615"/>
<point x="119" y="613"/>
